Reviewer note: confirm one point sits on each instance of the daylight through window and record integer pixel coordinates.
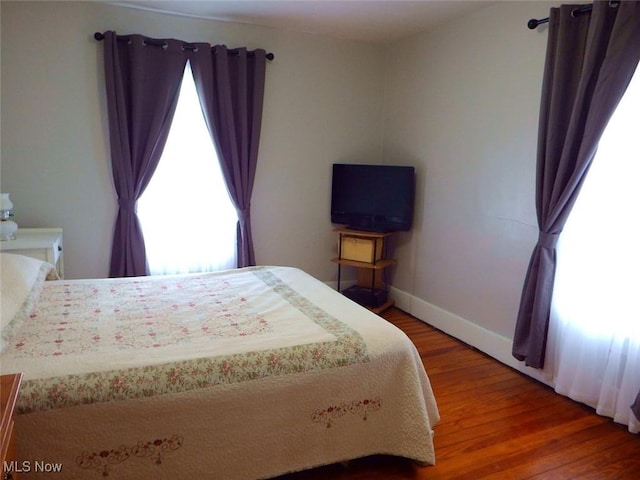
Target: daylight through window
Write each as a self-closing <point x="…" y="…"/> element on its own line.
<point x="187" y="218"/>
<point x="595" y="323"/>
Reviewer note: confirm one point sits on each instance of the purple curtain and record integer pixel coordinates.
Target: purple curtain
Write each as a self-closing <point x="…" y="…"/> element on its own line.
<point x="589" y="64"/>
<point x="230" y="86"/>
<point x="142" y="82"/>
<point x="635" y="408"/>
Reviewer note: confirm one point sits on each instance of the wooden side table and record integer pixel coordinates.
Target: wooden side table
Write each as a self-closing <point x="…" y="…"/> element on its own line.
<point x="9" y="387"/>
<point x="365" y="251"/>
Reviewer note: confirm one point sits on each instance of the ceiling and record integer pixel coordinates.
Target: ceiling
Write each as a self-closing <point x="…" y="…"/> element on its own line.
<point x="373" y="21"/>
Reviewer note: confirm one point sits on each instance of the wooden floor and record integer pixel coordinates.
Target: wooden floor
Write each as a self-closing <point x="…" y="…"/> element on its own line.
<point x="498" y="424"/>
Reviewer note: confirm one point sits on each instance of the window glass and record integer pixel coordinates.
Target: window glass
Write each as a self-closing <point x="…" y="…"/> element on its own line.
<point x="188" y="220"/>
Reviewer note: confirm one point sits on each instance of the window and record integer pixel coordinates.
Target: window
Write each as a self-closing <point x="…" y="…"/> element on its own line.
<point x="187" y="218"/>
<point x="601" y="240"/>
<point x="595" y="316"/>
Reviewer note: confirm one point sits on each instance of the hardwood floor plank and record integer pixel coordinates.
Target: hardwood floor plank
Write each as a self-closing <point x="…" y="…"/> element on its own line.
<point x="497" y="423"/>
<point x="578" y="451"/>
<point x="485" y="456"/>
<point x="504" y="424"/>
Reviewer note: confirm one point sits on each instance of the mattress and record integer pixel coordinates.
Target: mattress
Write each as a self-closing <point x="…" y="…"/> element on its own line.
<point x="242" y="374"/>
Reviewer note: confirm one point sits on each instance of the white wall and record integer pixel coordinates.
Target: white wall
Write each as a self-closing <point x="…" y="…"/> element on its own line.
<point x="462" y="104"/>
<point x="322" y="105"/>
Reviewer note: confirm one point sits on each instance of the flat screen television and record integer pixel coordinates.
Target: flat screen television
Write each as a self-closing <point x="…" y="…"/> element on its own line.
<point x="376" y="198"/>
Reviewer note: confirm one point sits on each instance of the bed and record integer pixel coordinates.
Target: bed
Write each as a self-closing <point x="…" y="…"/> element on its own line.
<point x="241" y="374"/>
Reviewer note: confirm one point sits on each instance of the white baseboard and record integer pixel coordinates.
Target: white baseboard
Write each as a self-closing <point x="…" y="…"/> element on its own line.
<point x="486" y="341"/>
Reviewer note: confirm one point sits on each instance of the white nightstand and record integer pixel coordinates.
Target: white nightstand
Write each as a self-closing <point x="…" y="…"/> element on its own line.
<point x="41" y="243"/>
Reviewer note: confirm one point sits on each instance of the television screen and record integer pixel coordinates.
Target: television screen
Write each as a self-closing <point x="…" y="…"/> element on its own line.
<point x="373" y="197"/>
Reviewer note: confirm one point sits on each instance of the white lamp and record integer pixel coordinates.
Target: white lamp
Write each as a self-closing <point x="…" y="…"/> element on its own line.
<point x="8" y="227"/>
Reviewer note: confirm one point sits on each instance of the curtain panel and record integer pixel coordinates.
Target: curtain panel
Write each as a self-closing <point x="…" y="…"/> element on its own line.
<point x="230" y="86"/>
<point x="142" y="83"/>
<point x="142" y="77"/>
<point x="590" y="61"/>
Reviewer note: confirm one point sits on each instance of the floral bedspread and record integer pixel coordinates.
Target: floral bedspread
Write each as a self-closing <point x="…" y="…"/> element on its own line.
<point x="90" y="341"/>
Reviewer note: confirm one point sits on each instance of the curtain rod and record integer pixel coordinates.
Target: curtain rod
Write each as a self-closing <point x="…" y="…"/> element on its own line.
<point x="533" y="23"/>
<point x="186" y="46"/>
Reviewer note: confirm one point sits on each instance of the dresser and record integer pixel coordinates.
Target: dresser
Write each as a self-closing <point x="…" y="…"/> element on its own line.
<point x="41" y="243"/>
<point x="9" y="387"/>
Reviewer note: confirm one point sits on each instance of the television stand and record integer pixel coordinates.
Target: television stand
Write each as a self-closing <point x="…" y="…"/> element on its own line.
<point x="365" y="251"/>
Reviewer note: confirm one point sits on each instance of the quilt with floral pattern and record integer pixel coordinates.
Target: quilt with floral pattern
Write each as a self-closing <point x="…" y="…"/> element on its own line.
<point x="102" y="340"/>
<point x="240" y="375"/>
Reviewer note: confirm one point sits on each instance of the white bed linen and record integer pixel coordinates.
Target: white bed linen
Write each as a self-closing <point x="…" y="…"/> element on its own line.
<point x="276" y="373"/>
<point x="21" y="278"/>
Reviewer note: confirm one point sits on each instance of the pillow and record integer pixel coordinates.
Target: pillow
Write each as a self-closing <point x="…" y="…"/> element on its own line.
<point x="21" y="280"/>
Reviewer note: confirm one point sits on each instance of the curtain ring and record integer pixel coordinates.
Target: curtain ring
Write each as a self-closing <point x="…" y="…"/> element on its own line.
<point x="164" y="45"/>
